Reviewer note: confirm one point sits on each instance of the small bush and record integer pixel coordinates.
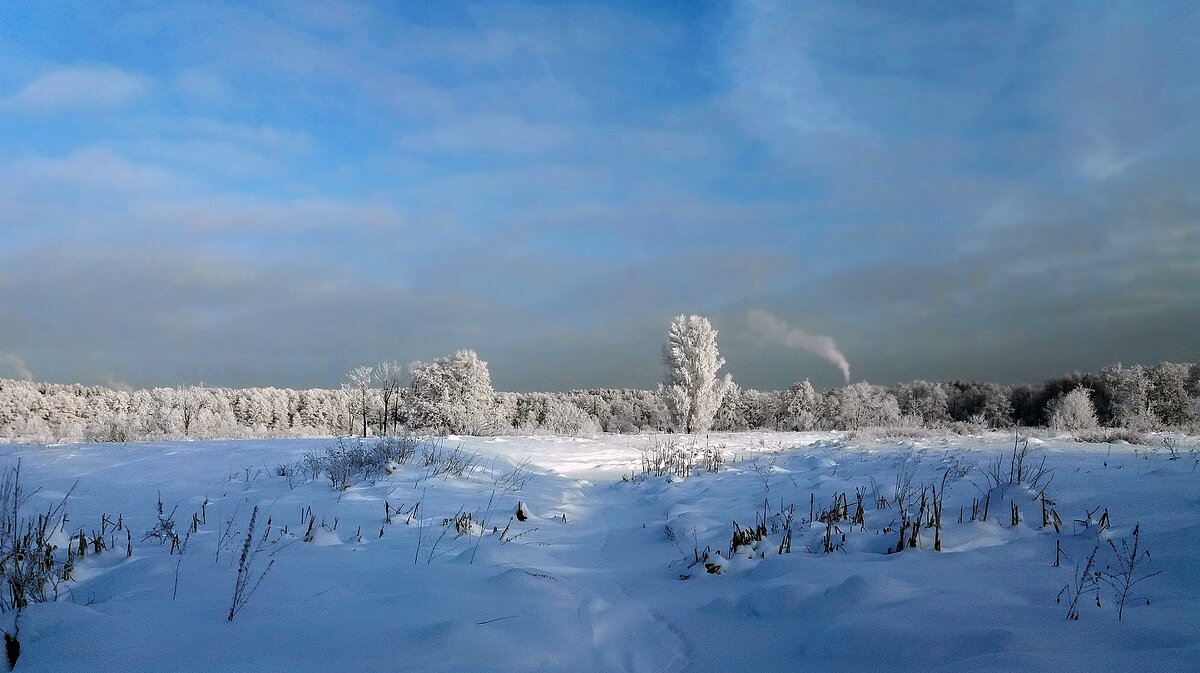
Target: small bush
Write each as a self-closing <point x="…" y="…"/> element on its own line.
<point x="1073" y="411"/>
<point x="666" y="456"/>
<point x="346" y="465"/>
<point x="893" y="432"/>
<point x="516" y="478"/>
<point x="620" y="425"/>
<point x="966" y="428"/>
<point x="455" y="462"/>
<point x="30" y="570"/>
<point x="1111" y="435"/>
<point x="1020" y="468"/>
<point x="568" y="420"/>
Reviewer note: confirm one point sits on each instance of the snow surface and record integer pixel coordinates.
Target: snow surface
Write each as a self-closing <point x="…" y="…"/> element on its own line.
<point x="601" y="578"/>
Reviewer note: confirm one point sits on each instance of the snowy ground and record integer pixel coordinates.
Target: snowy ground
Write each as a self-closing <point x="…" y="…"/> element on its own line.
<point x="602" y="577"/>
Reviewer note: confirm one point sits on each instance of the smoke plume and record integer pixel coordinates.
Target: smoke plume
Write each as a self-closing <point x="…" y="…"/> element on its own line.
<point x="11" y="365"/>
<point x="774" y="329"/>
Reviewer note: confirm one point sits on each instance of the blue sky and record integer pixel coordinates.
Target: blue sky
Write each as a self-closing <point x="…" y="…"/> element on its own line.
<point x="269" y="193"/>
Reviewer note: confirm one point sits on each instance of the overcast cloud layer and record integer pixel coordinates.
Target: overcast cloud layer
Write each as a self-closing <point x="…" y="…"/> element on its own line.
<point x="269" y="193"/>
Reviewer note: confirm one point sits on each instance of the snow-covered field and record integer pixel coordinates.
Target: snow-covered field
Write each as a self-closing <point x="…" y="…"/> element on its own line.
<point x="603" y="574"/>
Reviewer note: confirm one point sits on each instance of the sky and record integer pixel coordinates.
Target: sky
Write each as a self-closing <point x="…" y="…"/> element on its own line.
<point x="269" y="193"/>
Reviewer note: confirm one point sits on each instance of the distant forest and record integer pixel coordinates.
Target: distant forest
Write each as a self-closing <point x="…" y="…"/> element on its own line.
<point x="454" y="395"/>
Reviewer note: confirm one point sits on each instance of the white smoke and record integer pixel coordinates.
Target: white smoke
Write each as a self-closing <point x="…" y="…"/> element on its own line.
<point x="12" y="365"/>
<point x="774" y="329"/>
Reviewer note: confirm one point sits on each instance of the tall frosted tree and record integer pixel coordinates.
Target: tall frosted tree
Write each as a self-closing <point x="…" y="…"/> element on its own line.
<point x="692" y="391"/>
<point x="452" y="394"/>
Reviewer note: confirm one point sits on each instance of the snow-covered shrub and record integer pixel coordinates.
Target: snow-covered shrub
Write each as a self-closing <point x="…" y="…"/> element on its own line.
<point x="30" y="569"/>
<point x="669" y="455"/>
<point x="621" y="425"/>
<point x="564" y="418"/>
<point x="350" y="463"/>
<point x="1073" y="411"/>
<point x="455" y="462"/>
<point x="1111" y="435"/>
<point x="1019" y="468"/>
<point x="966" y="428"/>
<point x="893" y="432"/>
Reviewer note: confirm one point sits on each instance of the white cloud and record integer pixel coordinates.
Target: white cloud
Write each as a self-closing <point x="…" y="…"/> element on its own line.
<point x="92" y="170"/>
<point x="201" y="85"/>
<point x="78" y="88"/>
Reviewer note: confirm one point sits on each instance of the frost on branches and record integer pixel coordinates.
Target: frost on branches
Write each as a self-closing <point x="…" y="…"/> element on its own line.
<point x="452" y="394"/>
<point x="692" y="391"/>
<point x="1073" y="411"/>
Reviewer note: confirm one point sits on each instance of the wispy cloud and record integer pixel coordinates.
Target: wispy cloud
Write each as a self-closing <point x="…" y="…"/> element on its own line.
<point x="518" y="180"/>
<point x="79" y="88"/>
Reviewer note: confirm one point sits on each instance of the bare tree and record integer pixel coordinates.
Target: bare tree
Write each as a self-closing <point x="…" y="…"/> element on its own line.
<point x="387" y="375"/>
<point x="359" y="382"/>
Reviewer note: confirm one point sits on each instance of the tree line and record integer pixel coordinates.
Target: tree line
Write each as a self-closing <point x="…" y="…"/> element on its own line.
<point x="454" y="395"/>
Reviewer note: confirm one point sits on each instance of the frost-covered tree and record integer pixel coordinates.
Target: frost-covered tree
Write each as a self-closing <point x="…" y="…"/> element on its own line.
<point x="692" y="390"/>
<point x="1169" y="399"/>
<point x="762" y="408"/>
<point x="1129" y="390"/>
<point x="974" y="402"/>
<point x="252" y="409"/>
<point x="733" y="412"/>
<point x="925" y="401"/>
<point x="452" y="394"/>
<point x="551" y="413"/>
<point x="801" y="407"/>
<point x="189" y="402"/>
<point x="1073" y="411"/>
<point x="862" y="405"/>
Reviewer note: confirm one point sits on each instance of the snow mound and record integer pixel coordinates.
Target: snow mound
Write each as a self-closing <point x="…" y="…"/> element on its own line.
<point x="325" y="537"/>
